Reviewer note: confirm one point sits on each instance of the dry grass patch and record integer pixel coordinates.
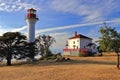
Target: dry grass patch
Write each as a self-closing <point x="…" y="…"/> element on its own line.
<point x="80" y="68"/>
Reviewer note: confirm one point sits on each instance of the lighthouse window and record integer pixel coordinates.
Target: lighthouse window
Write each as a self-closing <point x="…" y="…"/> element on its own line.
<point x="32" y="12"/>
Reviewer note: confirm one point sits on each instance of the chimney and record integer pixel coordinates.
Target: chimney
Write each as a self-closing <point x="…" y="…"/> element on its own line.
<point x="75" y="34"/>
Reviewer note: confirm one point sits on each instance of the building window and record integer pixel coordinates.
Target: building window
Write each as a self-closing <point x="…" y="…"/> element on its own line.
<point x="74" y="46"/>
<point x="73" y="42"/>
<point x="77" y="47"/>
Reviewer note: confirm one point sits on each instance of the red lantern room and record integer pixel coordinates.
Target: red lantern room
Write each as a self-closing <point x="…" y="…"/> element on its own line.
<point x="31" y="13"/>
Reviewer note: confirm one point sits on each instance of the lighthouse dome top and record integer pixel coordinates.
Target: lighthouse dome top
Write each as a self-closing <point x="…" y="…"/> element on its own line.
<point x="31" y="9"/>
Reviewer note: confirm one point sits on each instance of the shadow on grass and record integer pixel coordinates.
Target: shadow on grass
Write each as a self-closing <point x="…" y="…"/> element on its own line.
<point x="71" y="62"/>
<point x="94" y="62"/>
<point x="53" y="62"/>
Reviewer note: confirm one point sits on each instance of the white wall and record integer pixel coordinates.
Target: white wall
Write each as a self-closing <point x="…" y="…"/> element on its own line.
<point x="75" y="42"/>
<point x="94" y="48"/>
<point x="31" y="29"/>
<point x="84" y="42"/>
<point x="79" y="43"/>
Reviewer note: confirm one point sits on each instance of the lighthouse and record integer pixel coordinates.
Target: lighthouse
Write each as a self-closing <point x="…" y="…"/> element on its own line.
<point x="31" y="20"/>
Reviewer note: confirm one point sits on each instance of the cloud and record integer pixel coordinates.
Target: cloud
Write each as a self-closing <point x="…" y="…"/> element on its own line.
<point x="94" y="10"/>
<point x="57" y="34"/>
<point x="61" y="39"/>
<point x="19" y="29"/>
<point x="4" y="30"/>
<point x="10" y="6"/>
<point x="77" y="25"/>
<point x="19" y="0"/>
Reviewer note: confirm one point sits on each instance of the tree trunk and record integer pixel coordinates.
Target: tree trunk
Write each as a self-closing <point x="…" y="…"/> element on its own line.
<point x="117" y="60"/>
<point x="9" y="60"/>
<point x="32" y="51"/>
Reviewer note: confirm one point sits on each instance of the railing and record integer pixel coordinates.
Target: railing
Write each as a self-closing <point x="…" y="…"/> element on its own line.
<point x="80" y="49"/>
<point x="31" y="16"/>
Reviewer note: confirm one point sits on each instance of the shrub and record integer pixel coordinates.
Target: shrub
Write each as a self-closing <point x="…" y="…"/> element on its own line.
<point x="82" y="54"/>
<point x="48" y="53"/>
<point x="58" y="56"/>
<point x="52" y="56"/>
<point x="91" y="54"/>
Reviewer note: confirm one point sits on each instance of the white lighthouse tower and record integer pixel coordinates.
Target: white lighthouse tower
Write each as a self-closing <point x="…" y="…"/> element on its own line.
<point x="31" y="19"/>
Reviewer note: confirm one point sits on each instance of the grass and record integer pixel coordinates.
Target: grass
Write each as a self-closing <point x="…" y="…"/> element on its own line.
<point x="79" y="68"/>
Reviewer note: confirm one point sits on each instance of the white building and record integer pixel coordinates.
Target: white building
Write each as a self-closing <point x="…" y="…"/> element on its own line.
<point x="77" y="43"/>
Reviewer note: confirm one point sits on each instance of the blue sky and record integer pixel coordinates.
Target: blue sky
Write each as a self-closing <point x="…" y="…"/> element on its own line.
<point x="60" y="18"/>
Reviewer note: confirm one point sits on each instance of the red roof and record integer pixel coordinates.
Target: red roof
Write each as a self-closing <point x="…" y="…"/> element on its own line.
<point x="31" y="9"/>
<point x="79" y="36"/>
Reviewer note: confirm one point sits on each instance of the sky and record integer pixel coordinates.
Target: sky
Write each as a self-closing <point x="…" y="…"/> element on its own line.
<point x="60" y="18"/>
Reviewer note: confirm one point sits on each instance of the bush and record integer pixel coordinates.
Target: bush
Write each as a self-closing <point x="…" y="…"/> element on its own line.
<point x="58" y="57"/>
<point x="91" y="54"/>
<point x="81" y="54"/>
<point x="42" y="58"/>
<point x="86" y="53"/>
<point x="48" y="53"/>
<point x="51" y="57"/>
<point x="48" y="57"/>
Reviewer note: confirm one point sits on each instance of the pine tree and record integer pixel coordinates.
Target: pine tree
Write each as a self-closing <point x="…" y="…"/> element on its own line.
<point x="109" y="41"/>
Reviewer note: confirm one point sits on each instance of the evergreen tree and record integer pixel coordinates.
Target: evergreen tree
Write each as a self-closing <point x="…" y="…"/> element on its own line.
<point x="109" y="41"/>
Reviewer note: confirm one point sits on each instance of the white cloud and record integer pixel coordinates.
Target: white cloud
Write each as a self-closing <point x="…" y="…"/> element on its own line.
<point x="19" y="0"/>
<point x="94" y="10"/>
<point x="76" y="7"/>
<point x="16" y="6"/>
<point x="19" y="29"/>
<point x="57" y="34"/>
<point x="60" y="38"/>
<point x="2" y="4"/>
<point x="4" y="30"/>
<point x="77" y="25"/>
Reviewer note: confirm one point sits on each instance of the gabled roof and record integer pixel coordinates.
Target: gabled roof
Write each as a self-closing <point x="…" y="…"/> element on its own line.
<point x="79" y="36"/>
